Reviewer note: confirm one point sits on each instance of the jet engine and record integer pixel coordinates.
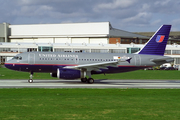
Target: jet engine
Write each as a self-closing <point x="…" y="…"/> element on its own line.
<point x="70" y="74"/>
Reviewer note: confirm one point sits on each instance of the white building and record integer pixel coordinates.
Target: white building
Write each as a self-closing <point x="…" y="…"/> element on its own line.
<point x="101" y="32"/>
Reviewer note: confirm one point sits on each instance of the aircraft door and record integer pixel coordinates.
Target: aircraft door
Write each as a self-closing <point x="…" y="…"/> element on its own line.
<point x="76" y="59"/>
<point x="137" y="60"/>
<point x="31" y="58"/>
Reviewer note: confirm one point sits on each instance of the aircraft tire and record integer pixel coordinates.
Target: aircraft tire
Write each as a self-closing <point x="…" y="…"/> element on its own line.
<point x="30" y="80"/>
<point x="83" y="80"/>
<point x="90" y="80"/>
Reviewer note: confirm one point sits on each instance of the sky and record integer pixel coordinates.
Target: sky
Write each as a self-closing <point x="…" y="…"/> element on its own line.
<point x="128" y="15"/>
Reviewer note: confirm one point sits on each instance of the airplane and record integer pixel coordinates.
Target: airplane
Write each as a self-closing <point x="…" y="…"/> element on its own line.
<point x="74" y="65"/>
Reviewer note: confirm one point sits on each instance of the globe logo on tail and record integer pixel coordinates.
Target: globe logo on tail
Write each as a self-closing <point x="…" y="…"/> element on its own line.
<point x="160" y="38"/>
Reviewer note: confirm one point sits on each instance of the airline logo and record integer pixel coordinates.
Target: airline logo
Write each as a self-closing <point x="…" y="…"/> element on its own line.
<point x="160" y="38"/>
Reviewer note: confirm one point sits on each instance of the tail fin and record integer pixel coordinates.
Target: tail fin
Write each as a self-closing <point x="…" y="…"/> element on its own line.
<point x="157" y="43"/>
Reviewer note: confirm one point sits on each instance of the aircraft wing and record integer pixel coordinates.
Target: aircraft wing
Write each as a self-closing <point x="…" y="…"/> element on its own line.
<point x="94" y="66"/>
<point x="97" y="66"/>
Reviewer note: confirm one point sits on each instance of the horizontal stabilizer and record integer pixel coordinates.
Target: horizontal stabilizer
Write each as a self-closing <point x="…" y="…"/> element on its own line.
<point x="163" y="59"/>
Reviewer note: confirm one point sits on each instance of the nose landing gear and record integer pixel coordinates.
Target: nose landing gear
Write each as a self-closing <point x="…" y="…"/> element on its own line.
<point x="31" y="76"/>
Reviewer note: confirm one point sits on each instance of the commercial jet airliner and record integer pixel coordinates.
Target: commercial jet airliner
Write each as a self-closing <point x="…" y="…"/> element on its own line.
<point x="79" y="65"/>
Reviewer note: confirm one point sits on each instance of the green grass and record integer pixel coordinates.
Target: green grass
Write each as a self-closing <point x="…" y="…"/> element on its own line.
<point x="99" y="104"/>
<point x="140" y="74"/>
<point x="70" y="104"/>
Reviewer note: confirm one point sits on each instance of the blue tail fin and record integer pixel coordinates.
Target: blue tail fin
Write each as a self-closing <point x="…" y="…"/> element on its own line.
<point x="157" y="43"/>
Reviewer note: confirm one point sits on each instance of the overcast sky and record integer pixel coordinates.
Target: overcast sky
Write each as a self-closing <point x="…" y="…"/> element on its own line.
<point x="129" y="15"/>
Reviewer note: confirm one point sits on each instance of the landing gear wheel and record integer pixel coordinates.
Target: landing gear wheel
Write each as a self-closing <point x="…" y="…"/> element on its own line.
<point x="83" y="80"/>
<point x="90" y="80"/>
<point x="30" y="80"/>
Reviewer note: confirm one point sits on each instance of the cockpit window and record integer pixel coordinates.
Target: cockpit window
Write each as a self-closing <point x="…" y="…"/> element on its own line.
<point x="17" y="58"/>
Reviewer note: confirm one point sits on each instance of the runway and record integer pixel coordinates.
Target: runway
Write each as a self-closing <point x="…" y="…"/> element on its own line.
<point x="146" y="84"/>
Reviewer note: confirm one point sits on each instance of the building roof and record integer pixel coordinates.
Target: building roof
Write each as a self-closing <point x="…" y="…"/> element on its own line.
<point x="125" y="34"/>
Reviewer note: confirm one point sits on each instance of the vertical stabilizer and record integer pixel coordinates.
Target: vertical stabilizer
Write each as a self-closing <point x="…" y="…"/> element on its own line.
<point x="157" y="43"/>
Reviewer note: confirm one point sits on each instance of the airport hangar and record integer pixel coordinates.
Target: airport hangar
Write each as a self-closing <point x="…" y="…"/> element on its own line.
<point x="99" y="37"/>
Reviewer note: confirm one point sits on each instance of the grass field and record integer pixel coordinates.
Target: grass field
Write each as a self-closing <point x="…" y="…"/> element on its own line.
<point x="140" y="74"/>
<point x="99" y="104"/>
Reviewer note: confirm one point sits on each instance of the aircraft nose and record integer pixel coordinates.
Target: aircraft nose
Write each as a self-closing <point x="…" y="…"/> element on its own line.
<point x="8" y="65"/>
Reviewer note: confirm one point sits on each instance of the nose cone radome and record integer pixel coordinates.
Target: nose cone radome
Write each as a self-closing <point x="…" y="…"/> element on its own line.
<point x="8" y="65"/>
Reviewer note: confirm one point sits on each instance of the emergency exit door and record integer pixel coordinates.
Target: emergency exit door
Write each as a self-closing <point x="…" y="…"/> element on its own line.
<point x="137" y="60"/>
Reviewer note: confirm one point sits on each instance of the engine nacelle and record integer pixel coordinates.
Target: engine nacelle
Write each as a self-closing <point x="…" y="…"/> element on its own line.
<point x="70" y="74"/>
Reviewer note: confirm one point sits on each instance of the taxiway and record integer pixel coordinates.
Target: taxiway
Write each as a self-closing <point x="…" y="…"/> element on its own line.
<point x="146" y="84"/>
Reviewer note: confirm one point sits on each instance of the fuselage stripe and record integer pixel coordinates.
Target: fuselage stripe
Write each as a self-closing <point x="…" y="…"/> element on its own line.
<point x="14" y="64"/>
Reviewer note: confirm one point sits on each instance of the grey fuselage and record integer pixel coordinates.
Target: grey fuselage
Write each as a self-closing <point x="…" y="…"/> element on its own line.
<point x="51" y="61"/>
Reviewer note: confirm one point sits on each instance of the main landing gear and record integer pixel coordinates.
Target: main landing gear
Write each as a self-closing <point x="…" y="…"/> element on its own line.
<point x="31" y="76"/>
<point x="89" y="80"/>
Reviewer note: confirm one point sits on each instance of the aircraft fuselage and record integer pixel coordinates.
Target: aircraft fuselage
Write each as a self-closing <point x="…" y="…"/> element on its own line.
<point x="50" y="61"/>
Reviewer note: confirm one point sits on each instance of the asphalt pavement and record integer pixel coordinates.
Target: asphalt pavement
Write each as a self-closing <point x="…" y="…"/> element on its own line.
<point x="146" y="84"/>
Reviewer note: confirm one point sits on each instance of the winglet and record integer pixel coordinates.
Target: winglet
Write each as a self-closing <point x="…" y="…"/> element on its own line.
<point x="157" y="43"/>
<point x="129" y="60"/>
